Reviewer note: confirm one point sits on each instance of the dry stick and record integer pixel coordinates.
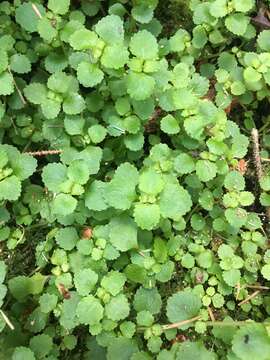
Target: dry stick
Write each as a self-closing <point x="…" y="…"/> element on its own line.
<point x="256" y="152"/>
<point x="7" y="321"/>
<point x="17" y="88"/>
<point x="257" y="159"/>
<point x="44" y="152"/>
<point x="238" y="290"/>
<point x="258" y="287"/>
<point x="233" y="323"/>
<point x="36" y="11"/>
<point x="264" y="159"/>
<point x="250" y="297"/>
<point x="211" y="314"/>
<point x="180" y="323"/>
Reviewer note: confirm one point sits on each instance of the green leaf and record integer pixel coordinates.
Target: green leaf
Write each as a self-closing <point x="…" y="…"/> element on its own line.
<point x="183" y="305"/>
<point x="231" y="277"/>
<point x="78" y="172"/>
<point x="113" y="282"/>
<point x="140" y="86"/>
<point x="95" y="196"/>
<point x="194" y="350"/>
<point x="147" y="216"/>
<point x="41" y="345"/>
<point x="169" y="125"/>
<point x="46" y="30"/>
<point x="263" y="40"/>
<point x="68" y="318"/>
<point x="144" y="45"/>
<point x="59" y="7"/>
<point x="265" y="270"/>
<point x="184" y="164"/>
<point x="36" y="284"/>
<point x="19" y="287"/>
<point x="47" y="302"/>
<point x="218" y="8"/>
<point x="243" y="5"/>
<point x="147" y="299"/>
<point x="6" y="83"/>
<point x="136" y="273"/>
<point x="175" y="201"/>
<point x="236" y="217"/>
<point x="26" y="17"/>
<point x="60" y="82"/>
<point x="265" y="182"/>
<point x="73" y="104"/>
<point x="123" y="233"/>
<point x="64" y="204"/>
<point x="237" y="23"/>
<point x="85" y="281"/>
<point x="143" y="13"/>
<point x="110" y="29"/>
<point x="67" y="238"/>
<point x="251" y="75"/>
<point x="36" y="93"/>
<point x="246" y="198"/>
<point x="89" y="75"/>
<point x="265" y="199"/>
<point x="251" y="342"/>
<point x="3" y="60"/>
<point x="122" y="348"/>
<point x="23" y="166"/>
<point x="117" y="308"/>
<point x="53" y="175"/>
<point x="10" y="188"/>
<point x="89" y="310"/>
<point x="120" y="192"/>
<point x="188" y="261"/>
<point x="83" y="39"/>
<point x="74" y="124"/>
<point x="20" y="64"/>
<point x="97" y="133"/>
<point x="151" y="182"/>
<point x="50" y="108"/>
<point x="3" y="270"/>
<point x="234" y="181"/>
<point x="115" y="56"/>
<point x="206" y="170"/>
<point x="23" y="353"/>
<point x="177" y="41"/>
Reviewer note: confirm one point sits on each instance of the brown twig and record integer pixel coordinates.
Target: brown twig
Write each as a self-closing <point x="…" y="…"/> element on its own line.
<point x="256" y="152"/>
<point x="180" y="323"/>
<point x="258" y="287"/>
<point x="265" y="160"/>
<point x="17" y="88"/>
<point x="36" y="11"/>
<point x="238" y="287"/>
<point x="44" y="152"/>
<point x="7" y="321"/>
<point x="257" y="160"/>
<point x="211" y="314"/>
<point x="250" y="297"/>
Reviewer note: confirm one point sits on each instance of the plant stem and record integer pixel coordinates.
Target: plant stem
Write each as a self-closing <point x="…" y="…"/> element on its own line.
<point x="17" y="88"/>
<point x="256" y="152"/>
<point x="180" y="323"/>
<point x="36" y="11"/>
<point x="44" y="152"/>
<point x="250" y="297"/>
<point x="7" y="321"/>
<point x="257" y="160"/>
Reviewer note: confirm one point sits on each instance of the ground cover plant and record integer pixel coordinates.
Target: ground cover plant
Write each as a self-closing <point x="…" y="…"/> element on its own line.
<point x="134" y="180"/>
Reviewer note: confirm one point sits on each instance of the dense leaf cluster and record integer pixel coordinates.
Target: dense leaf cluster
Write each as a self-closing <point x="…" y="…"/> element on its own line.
<point x="139" y="234"/>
